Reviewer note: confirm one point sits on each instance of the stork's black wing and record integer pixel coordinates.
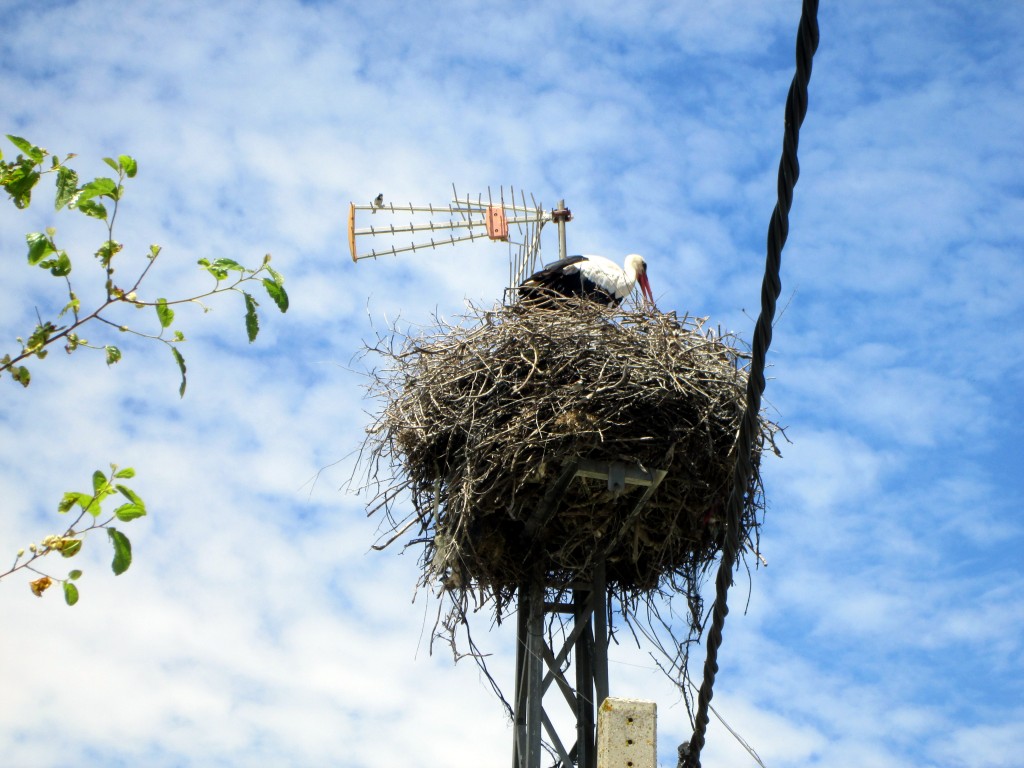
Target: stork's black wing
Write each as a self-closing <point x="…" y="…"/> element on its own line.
<point x="562" y="278"/>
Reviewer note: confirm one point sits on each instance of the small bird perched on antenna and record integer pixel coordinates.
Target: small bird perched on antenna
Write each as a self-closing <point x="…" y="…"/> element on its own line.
<point x="592" y="277"/>
<point x="378" y="202"/>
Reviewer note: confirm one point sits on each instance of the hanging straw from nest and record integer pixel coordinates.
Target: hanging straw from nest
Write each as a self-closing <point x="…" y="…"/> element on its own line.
<point x="482" y="419"/>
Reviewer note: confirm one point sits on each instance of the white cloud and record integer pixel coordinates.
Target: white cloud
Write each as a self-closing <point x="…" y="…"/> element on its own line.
<point x="255" y="626"/>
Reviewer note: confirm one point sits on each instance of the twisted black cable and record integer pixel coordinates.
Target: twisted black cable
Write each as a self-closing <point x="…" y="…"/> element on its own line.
<point x="778" y="231"/>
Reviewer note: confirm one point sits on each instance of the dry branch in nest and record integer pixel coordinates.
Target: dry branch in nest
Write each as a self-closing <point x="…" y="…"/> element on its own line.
<point x="485" y="421"/>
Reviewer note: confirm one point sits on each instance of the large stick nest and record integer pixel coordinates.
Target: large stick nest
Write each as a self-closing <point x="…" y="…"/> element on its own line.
<point x="482" y="418"/>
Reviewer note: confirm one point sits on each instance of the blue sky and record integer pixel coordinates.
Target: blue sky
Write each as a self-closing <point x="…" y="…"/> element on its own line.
<point x="255" y="626"/>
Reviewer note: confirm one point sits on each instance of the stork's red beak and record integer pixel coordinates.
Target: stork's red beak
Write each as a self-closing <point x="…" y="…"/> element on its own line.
<point x="645" y="288"/>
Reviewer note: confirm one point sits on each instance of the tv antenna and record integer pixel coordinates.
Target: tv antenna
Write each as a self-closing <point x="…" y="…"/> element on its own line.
<point x="463" y="219"/>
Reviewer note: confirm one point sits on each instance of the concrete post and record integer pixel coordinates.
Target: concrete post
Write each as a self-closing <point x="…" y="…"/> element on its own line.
<point x="627" y="734"/>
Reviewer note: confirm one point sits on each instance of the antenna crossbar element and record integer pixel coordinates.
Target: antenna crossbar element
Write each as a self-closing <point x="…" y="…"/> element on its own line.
<point x="394" y="250"/>
<point x="496" y="222"/>
<point x="507" y="216"/>
<point x="470" y="206"/>
<point x="456" y="207"/>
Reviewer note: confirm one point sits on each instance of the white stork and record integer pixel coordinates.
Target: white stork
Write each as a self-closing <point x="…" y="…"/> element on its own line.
<point x="592" y="277"/>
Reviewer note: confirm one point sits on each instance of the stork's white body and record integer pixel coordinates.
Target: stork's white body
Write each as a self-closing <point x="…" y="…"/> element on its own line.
<point x="594" y="277"/>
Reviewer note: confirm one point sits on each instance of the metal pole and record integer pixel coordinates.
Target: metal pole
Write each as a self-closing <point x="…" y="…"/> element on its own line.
<point x="522" y="634"/>
<point x="583" y="604"/>
<point x="561" y="218"/>
<point x="600" y="633"/>
<point x="535" y="674"/>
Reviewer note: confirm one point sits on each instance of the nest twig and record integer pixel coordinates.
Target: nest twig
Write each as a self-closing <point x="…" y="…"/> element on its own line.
<point x="484" y="421"/>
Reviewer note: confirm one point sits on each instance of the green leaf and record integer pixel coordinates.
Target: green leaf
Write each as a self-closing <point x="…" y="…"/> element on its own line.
<point x="135" y="508"/>
<point x="39" y="247"/>
<point x="113" y="354"/>
<point x="40" y="336"/>
<point x="61" y="266"/>
<point x="19" y="182"/>
<point x="21" y="375"/>
<point x="72" y="548"/>
<point x="75" y="575"/>
<point x="111" y="162"/>
<point x="92" y="208"/>
<point x="252" y="322"/>
<point x="127" y="512"/>
<point x="128" y="165"/>
<point x="122" y="551"/>
<point x="228" y="264"/>
<point x="164" y="313"/>
<point x="67" y="186"/>
<point x="99" y="187"/>
<point x="30" y="149"/>
<point x="107" y="251"/>
<point x="74" y="305"/>
<point x="277" y="293"/>
<point x="218" y="274"/>
<point x="21" y="189"/>
<point x="181" y="366"/>
<point x="71" y="498"/>
<point x="127" y="473"/>
<point x="99" y="480"/>
<point x="70" y="593"/>
<point x="220" y="268"/>
<point x="131" y="495"/>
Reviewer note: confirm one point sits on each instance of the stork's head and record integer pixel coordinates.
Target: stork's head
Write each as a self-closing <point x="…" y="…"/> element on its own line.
<point x="635" y="263"/>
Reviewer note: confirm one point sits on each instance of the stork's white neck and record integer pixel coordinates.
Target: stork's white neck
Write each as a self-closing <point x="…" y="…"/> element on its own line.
<point x="633" y="266"/>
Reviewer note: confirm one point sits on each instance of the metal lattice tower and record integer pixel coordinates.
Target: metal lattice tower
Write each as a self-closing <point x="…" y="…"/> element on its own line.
<point x="540" y="662"/>
<point x="566" y="624"/>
